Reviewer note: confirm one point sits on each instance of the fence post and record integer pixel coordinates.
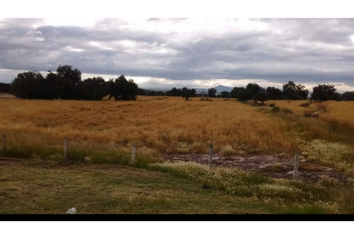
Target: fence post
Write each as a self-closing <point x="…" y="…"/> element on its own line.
<point x="296" y="165"/>
<point x="132" y="158"/>
<point x="210" y="155"/>
<point x="66" y="147"/>
<point x="3" y="141"/>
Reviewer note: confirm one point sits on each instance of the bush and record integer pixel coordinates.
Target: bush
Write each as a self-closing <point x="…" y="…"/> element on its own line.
<point x="327" y="182"/>
<point x="272" y="105"/>
<point x="304" y="104"/>
<point x="286" y="110"/>
<point x="275" y="109"/>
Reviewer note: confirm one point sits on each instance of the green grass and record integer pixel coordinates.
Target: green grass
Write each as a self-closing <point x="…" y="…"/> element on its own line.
<point x="52" y="187"/>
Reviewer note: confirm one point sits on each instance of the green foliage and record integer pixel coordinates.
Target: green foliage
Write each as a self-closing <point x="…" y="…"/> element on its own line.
<point x="274" y="93"/>
<point x="121" y="89"/>
<point x="234" y="92"/>
<point x="275" y="109"/>
<point x="324" y="92"/>
<point x="5" y="87"/>
<point x="254" y="88"/>
<point x="244" y="94"/>
<point x="261" y="96"/>
<point x="225" y="94"/>
<point x="348" y="96"/>
<point x="66" y="84"/>
<point x="28" y="85"/>
<point x="212" y="92"/>
<point x="294" y="92"/>
<point x="93" y="89"/>
<point x="286" y="110"/>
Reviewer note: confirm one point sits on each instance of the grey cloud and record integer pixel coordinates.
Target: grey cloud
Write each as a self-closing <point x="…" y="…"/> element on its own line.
<point x="300" y="50"/>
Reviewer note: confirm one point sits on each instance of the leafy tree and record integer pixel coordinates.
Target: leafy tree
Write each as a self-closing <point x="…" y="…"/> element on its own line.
<point x="254" y="88"/>
<point x="244" y="94"/>
<point x="68" y="80"/>
<point x="193" y="92"/>
<point x="274" y="93"/>
<point x="121" y="89"/>
<point x="234" y="92"/>
<point x="93" y="89"/>
<point x="225" y="94"/>
<point x="348" y="96"/>
<point x="186" y="94"/>
<point x="28" y="85"/>
<point x="174" y="92"/>
<point x="5" y="87"/>
<point x="324" y="92"/>
<point x="212" y="92"/>
<point x="294" y="92"/>
<point x="261" y="96"/>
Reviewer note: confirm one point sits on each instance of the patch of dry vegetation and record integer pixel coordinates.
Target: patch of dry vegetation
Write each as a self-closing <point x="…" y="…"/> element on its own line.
<point x="161" y="125"/>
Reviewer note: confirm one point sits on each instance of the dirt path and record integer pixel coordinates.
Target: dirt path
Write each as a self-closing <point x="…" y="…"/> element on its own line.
<point x="278" y="166"/>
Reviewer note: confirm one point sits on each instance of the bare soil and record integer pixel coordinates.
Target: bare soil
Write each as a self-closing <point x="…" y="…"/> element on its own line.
<point x="277" y="165"/>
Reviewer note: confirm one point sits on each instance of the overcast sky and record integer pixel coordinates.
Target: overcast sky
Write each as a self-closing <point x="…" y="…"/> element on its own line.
<point x="163" y="52"/>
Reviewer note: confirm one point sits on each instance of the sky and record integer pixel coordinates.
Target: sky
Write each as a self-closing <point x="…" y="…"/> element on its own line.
<point x="197" y="52"/>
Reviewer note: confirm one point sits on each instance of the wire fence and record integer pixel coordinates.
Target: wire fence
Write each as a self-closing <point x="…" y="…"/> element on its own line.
<point x="26" y="145"/>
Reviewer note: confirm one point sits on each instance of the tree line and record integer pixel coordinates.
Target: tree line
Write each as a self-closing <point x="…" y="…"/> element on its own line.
<point x="66" y="83"/>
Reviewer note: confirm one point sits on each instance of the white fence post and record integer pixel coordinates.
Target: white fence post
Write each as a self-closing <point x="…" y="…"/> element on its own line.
<point x="133" y="151"/>
<point x="210" y="155"/>
<point x="66" y="147"/>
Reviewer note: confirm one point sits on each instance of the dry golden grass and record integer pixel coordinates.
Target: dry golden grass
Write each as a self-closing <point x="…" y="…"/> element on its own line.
<point x="168" y="125"/>
<point x="336" y="124"/>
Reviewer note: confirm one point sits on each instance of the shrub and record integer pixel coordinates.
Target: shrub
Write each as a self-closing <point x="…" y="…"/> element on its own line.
<point x="272" y="105"/>
<point x="327" y="182"/>
<point x="286" y="110"/>
<point x="227" y="150"/>
<point x="275" y="109"/>
<point x="305" y="104"/>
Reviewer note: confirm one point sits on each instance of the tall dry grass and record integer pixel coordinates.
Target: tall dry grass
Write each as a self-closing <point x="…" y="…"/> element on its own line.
<point x="168" y="125"/>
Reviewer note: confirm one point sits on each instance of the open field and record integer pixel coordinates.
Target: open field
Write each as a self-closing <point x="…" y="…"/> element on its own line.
<point x="49" y="187"/>
<point x="102" y="132"/>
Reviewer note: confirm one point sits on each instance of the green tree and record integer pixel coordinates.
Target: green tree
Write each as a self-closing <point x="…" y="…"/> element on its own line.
<point x="28" y="85"/>
<point x="93" y="88"/>
<point x="122" y="89"/>
<point x="261" y="96"/>
<point x="348" y="96"/>
<point x="254" y="88"/>
<point x="294" y="92"/>
<point x="234" y="92"/>
<point x="68" y="80"/>
<point x="212" y="92"/>
<point x="225" y="94"/>
<point x="324" y="92"/>
<point x="244" y="94"/>
<point x="5" y="87"/>
<point x="274" y="93"/>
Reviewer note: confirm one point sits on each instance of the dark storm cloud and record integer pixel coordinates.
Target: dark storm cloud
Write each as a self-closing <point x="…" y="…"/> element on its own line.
<point x="278" y="50"/>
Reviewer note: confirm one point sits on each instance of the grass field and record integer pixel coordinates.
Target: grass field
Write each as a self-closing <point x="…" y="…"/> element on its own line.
<point x="49" y="187"/>
<point x="102" y="132"/>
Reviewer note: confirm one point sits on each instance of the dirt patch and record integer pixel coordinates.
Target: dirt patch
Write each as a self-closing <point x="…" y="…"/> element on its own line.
<point x="277" y="165"/>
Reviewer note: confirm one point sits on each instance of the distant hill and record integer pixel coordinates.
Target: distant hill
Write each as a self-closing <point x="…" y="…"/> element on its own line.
<point x="222" y="88"/>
